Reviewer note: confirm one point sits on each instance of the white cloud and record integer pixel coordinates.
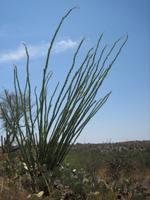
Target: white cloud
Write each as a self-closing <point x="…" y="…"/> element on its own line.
<point x="36" y="51"/>
<point x="63" y="45"/>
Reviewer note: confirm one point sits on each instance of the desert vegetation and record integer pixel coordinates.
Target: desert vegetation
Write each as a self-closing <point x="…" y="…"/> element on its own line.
<point x="39" y="158"/>
<point x="89" y="171"/>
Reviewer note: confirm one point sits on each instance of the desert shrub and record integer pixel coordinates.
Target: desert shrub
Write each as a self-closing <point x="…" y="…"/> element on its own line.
<point x="50" y="128"/>
<point x="8" y="115"/>
<point x="81" y="184"/>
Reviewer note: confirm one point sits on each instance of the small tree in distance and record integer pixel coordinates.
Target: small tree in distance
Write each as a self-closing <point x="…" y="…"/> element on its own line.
<point x="9" y="116"/>
<point x="50" y="133"/>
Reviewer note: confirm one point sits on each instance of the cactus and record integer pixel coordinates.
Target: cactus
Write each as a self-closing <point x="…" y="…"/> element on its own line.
<point x="50" y="133"/>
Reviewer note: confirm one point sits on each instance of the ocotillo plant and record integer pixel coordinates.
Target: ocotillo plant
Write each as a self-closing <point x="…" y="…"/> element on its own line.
<point x="49" y="133"/>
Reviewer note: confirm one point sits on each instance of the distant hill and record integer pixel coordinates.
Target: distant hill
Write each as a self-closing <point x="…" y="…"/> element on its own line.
<point x="118" y="146"/>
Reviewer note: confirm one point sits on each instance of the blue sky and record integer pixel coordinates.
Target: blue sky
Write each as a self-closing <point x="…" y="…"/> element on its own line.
<point x="126" y="115"/>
